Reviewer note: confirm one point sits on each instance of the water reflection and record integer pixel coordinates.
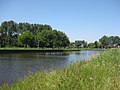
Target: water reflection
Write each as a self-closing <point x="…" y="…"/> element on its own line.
<point x="15" y="66"/>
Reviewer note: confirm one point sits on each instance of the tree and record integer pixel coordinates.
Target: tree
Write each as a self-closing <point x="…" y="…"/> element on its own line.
<point x="91" y="45"/>
<point x="13" y="34"/>
<point x="0" y="37"/>
<point x="8" y="33"/>
<point x="104" y="41"/>
<point x="116" y="40"/>
<point x="50" y="39"/>
<point x="42" y="39"/>
<point x="111" y="40"/>
<point x="84" y="44"/>
<point x="97" y="44"/>
<point x="72" y="44"/>
<point x="26" y="39"/>
<point x="80" y="43"/>
<point x="63" y="40"/>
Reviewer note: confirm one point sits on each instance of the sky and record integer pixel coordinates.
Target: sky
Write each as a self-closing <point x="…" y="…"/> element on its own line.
<point x="85" y="20"/>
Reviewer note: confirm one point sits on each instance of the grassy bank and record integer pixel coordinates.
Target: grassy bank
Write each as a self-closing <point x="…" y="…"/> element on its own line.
<point x="65" y="49"/>
<point x="102" y="72"/>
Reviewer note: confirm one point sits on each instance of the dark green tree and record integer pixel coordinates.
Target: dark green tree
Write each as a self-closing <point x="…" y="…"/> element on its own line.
<point x="10" y="31"/>
<point x="91" y="45"/>
<point x="72" y="45"/>
<point x="116" y="40"/>
<point x="111" y="40"/>
<point x="80" y="44"/>
<point x="104" y="41"/>
<point x="26" y="39"/>
<point x="41" y="38"/>
<point x="52" y="39"/>
<point x="97" y="44"/>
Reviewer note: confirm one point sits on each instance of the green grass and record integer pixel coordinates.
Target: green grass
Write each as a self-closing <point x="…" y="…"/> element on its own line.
<point x="65" y="49"/>
<point x="101" y="72"/>
<point x="17" y="48"/>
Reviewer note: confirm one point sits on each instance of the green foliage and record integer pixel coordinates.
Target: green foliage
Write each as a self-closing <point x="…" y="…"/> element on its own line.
<point x="9" y="32"/>
<point x="72" y="45"/>
<point x="26" y="39"/>
<point x="101" y="72"/>
<point x="91" y="45"/>
<point x="53" y="38"/>
<point x="78" y="43"/>
<point x="32" y="35"/>
<point x="104" y="40"/>
<point x="60" y="39"/>
<point x="97" y="44"/>
<point x="111" y="41"/>
<point x="44" y="36"/>
<point x="81" y="44"/>
<point x="116" y="40"/>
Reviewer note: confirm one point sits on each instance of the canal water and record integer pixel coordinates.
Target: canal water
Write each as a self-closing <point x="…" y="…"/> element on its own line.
<point x="16" y="66"/>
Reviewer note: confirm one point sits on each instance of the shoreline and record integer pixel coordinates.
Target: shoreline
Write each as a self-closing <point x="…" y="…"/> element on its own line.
<point x="97" y="73"/>
<point x="37" y="50"/>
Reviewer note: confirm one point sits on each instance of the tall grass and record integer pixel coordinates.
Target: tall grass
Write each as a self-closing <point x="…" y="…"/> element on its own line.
<point x="101" y="72"/>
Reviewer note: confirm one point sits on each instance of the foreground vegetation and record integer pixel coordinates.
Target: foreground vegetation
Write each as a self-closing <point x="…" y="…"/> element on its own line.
<point x="102" y="72"/>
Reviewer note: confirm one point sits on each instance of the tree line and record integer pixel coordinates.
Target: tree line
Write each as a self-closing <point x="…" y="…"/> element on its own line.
<point x="104" y="42"/>
<point x="14" y="34"/>
<point x="111" y="41"/>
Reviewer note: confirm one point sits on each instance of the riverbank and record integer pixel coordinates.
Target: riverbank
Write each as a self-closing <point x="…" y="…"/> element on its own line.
<point x="99" y="73"/>
<point x="32" y="50"/>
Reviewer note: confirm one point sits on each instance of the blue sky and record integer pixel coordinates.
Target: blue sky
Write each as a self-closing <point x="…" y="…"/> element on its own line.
<point x="79" y="19"/>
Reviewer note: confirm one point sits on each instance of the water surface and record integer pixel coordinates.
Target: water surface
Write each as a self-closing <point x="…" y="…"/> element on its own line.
<point x="15" y="66"/>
